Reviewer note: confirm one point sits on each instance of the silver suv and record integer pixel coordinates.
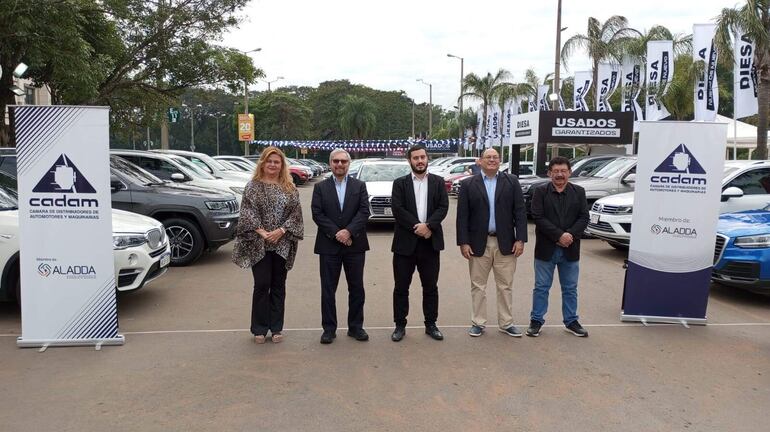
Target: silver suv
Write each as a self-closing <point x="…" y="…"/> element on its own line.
<point x="615" y="177"/>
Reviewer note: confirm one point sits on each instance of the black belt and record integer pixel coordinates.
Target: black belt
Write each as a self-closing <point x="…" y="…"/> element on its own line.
<point x="492" y="234"/>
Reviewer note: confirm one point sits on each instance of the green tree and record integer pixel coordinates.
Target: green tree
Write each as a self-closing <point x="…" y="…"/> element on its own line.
<point x="753" y="18"/>
<point x="357" y="117"/>
<point x="280" y="115"/>
<point x="603" y="42"/>
<point x="486" y="89"/>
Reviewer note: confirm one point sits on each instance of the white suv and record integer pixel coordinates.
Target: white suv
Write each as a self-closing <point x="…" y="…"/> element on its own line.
<point x="745" y="186"/>
<point x="378" y="176"/>
<point x="140" y="248"/>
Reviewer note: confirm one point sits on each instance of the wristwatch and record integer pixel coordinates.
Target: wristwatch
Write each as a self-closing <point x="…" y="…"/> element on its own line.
<point x="283" y="230"/>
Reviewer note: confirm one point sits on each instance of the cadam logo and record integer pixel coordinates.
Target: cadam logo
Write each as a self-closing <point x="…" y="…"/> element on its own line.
<point x="44" y="269"/>
<point x="63" y="177"/>
<point x="680" y="161"/>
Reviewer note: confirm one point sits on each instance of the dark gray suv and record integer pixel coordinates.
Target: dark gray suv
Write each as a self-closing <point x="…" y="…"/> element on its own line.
<point x="196" y="219"/>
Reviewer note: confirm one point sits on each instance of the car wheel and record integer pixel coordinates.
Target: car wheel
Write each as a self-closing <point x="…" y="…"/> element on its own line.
<point x="185" y="239"/>
<point x="295" y="179"/>
<point x="619" y="247"/>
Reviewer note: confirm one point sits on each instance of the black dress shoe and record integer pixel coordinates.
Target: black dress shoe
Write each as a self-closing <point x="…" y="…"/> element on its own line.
<point x="434" y="332"/>
<point x="398" y="334"/>
<point x="359" y="335"/>
<point x="327" y="338"/>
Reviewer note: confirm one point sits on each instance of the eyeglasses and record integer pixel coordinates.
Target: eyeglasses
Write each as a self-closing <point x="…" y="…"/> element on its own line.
<point x="340" y="161"/>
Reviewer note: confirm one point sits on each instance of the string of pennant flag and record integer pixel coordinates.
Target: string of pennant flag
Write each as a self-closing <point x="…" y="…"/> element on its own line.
<point x="443" y="145"/>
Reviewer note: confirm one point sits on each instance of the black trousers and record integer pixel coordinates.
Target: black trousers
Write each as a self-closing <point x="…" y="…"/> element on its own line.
<point x="427" y="262"/>
<point x="268" y="300"/>
<point x="331" y="266"/>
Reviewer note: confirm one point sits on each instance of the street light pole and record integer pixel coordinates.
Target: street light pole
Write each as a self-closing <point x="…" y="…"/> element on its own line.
<point x="192" y="126"/>
<point x="430" y="106"/>
<point x="216" y="117"/>
<point x="460" y="122"/>
<point x="557" y="56"/>
<point x="246" y="97"/>
<point x="270" y="82"/>
<point x="413" y="136"/>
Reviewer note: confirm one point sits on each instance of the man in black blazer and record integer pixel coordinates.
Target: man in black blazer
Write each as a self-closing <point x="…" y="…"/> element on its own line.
<point x="560" y="211"/>
<point x="340" y="208"/>
<point x="419" y="202"/>
<point x="491" y="232"/>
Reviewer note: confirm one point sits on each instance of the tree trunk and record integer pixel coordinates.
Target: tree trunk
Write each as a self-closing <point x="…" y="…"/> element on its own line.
<point x="763" y="105"/>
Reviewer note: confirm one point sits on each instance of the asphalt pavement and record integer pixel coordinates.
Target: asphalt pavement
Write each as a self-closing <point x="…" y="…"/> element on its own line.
<point x="189" y="363"/>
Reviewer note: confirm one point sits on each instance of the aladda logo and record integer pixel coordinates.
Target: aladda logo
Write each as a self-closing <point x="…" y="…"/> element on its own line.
<point x="77" y="271"/>
<point x="64" y="177"/>
<point x="674" y="231"/>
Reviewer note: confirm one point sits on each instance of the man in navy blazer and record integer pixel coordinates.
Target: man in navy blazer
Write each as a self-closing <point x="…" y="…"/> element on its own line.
<point x="340" y="208"/>
<point x="491" y="232"/>
<point x="419" y="202"/>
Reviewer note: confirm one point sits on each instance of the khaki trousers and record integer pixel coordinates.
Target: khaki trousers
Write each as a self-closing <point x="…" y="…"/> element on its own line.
<point x="503" y="268"/>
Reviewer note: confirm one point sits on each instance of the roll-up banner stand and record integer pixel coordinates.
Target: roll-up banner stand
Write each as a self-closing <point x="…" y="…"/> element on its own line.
<point x="673" y="230"/>
<point x="65" y="226"/>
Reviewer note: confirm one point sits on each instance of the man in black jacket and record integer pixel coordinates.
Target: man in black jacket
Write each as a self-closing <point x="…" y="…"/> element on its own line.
<point x="340" y="208"/>
<point x="420" y="202"/>
<point x="560" y="211"/>
<point x="491" y="232"/>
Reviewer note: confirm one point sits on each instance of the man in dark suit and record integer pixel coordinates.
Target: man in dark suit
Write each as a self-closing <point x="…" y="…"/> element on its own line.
<point x="420" y="202"/>
<point x="491" y="232"/>
<point x="340" y="208"/>
<point x="560" y="211"/>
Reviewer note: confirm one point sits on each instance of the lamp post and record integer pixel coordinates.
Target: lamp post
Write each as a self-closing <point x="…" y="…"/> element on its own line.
<point x="430" y="106"/>
<point x="246" y="98"/>
<point x="192" y="124"/>
<point x="271" y="81"/>
<point x="557" y="56"/>
<point x="462" y="91"/>
<point x="217" y="116"/>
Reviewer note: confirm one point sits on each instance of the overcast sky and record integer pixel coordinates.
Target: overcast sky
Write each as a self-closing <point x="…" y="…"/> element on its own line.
<point x="388" y="45"/>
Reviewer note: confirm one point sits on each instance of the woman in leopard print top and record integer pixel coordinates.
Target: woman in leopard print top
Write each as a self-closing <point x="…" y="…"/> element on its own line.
<point x="269" y="229"/>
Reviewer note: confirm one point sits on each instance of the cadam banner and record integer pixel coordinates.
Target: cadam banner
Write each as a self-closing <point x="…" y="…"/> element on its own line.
<point x="673" y="229"/>
<point x="65" y="226"/>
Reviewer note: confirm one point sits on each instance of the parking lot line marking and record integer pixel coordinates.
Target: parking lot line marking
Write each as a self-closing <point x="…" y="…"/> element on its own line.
<point x="649" y="324"/>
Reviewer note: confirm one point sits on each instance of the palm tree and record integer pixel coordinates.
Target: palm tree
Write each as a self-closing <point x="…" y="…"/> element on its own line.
<point x="603" y="42"/>
<point x="753" y="19"/>
<point x="357" y="116"/>
<point x="486" y="89"/>
<point x="635" y="46"/>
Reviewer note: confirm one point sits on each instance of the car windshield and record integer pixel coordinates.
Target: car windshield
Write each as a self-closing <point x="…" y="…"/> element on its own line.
<point x="133" y="172"/>
<point x="243" y="166"/>
<point x="196" y="171"/>
<point x="613" y="167"/>
<point x="382" y="172"/>
<point x="8" y="199"/>
<point x="729" y="170"/>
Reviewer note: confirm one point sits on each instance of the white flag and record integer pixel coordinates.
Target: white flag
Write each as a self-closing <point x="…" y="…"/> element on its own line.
<point x="632" y="86"/>
<point x="660" y="71"/>
<point x="531" y="105"/>
<point x="508" y="114"/>
<point x="583" y="81"/>
<point x="706" y="90"/>
<point x="542" y="97"/>
<point x="744" y="77"/>
<point x="608" y="79"/>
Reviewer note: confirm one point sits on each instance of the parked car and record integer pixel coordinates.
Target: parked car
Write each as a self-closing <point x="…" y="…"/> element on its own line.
<point x="454" y="169"/>
<point x="210" y="165"/>
<point x="239" y="162"/>
<point x="581" y="167"/>
<point x="175" y="168"/>
<point x="446" y="164"/>
<point x="453" y="182"/>
<point x="196" y="219"/>
<point x="617" y="176"/>
<point x="742" y="252"/>
<point x="317" y="169"/>
<point x="140" y="248"/>
<point x="745" y="186"/>
<point x="379" y="176"/>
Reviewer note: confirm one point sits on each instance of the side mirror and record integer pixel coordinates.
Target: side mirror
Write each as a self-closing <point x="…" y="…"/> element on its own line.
<point x="178" y="177"/>
<point x="630" y="179"/>
<point x="731" y="192"/>
<point x="116" y="184"/>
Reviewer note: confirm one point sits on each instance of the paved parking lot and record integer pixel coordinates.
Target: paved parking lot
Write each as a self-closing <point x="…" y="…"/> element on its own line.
<point x="189" y="363"/>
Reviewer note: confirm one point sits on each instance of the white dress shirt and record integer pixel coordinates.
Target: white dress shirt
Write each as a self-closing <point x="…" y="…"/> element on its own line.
<point x="421" y="196"/>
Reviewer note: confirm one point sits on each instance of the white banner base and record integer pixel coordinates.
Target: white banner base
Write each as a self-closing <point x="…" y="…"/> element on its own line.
<point x="37" y="343"/>
<point x="664" y="320"/>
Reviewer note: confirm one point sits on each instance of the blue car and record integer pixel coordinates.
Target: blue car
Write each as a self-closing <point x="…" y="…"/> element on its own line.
<point x="742" y="253"/>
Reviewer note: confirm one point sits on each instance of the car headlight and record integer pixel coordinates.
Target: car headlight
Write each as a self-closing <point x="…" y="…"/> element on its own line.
<point x="123" y="241"/>
<point x="753" y="242"/>
<point x="625" y="209"/>
<point x="236" y="190"/>
<point x="525" y="188"/>
<point x="217" y="206"/>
